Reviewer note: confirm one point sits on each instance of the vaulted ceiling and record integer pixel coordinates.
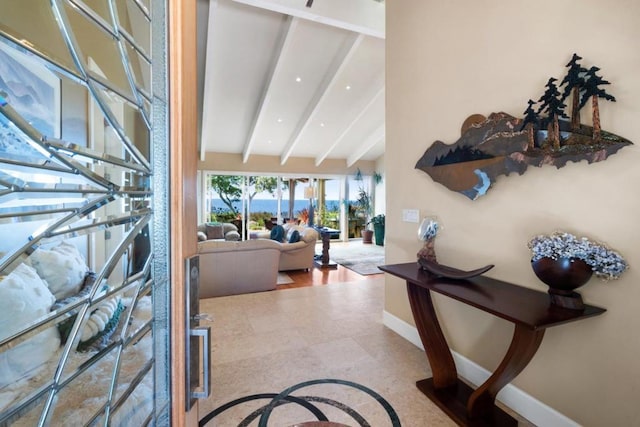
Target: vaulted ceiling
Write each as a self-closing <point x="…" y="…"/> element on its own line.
<point x="283" y="79"/>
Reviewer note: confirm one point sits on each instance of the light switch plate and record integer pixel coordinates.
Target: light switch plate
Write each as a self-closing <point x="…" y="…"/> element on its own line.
<point x="410" y="215"/>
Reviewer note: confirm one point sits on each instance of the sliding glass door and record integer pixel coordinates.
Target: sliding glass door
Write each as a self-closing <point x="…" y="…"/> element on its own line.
<point x="287" y="198"/>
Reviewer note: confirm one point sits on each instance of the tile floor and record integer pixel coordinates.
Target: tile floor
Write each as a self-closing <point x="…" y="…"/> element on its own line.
<point x="267" y="342"/>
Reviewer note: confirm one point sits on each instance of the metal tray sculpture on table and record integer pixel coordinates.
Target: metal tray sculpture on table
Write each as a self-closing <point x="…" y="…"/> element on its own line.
<point x="450" y="272"/>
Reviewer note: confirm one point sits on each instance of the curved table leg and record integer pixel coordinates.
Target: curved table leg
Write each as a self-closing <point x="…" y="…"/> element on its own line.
<point x="524" y="344"/>
<point x="465" y="405"/>
<point x="433" y="340"/>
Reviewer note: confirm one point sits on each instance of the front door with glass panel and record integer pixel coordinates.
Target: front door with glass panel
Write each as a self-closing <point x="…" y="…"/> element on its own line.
<point x="79" y="337"/>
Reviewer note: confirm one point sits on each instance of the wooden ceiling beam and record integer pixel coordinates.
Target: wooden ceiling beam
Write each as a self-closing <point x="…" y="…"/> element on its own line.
<point x="372" y="140"/>
<point x="345" y="132"/>
<point x="331" y="76"/>
<point x="276" y="67"/>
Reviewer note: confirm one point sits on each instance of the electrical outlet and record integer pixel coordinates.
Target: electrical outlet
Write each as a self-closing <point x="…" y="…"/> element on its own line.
<point x="410" y="215"/>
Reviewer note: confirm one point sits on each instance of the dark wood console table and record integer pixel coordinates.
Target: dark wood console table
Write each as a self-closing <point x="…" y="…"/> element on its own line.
<point x="529" y="310"/>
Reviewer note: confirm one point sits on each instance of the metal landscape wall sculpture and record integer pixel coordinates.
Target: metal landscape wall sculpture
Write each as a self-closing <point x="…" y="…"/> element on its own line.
<point x="501" y="144"/>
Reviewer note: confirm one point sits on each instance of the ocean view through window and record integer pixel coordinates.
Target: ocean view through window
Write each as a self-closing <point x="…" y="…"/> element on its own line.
<point x="271" y="205"/>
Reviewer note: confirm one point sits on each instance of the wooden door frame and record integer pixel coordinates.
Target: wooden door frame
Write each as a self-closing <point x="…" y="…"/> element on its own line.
<point x="182" y="175"/>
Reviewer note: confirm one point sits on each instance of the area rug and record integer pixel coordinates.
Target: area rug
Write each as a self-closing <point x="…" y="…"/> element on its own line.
<point x="284" y="279"/>
<point x="364" y="266"/>
<point x="364" y="259"/>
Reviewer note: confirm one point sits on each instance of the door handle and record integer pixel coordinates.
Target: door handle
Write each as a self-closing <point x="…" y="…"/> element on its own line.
<point x="205" y="333"/>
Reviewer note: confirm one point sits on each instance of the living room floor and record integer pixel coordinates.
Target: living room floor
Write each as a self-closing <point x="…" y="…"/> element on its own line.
<point x="340" y="274"/>
<point x="318" y="276"/>
<point x="325" y="345"/>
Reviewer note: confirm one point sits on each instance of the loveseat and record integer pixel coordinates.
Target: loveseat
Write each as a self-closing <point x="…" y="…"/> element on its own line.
<point x="218" y="231"/>
<point x="297" y="255"/>
<point x="230" y="268"/>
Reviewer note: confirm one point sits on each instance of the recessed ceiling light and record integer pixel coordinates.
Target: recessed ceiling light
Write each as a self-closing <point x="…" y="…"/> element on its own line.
<point x="298" y="79"/>
<point x="269" y="142"/>
<point x="348" y="87"/>
<point x="279" y="120"/>
<point x="321" y="125"/>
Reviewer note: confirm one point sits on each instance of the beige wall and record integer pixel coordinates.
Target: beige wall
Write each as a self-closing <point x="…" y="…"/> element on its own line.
<point x="449" y="59"/>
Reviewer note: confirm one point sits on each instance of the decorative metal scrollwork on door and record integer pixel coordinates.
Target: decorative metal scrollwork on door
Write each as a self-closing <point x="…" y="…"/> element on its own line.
<point x="78" y="293"/>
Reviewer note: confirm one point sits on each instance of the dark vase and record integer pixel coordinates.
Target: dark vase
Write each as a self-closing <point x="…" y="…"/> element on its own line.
<point x="563" y="275"/>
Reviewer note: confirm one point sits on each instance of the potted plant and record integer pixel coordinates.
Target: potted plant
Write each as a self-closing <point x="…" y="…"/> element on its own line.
<point x="378" y="228"/>
<point x="364" y="204"/>
<point x="364" y="207"/>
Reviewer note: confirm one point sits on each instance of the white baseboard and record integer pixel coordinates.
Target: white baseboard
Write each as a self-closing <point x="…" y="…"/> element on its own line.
<point x="527" y="406"/>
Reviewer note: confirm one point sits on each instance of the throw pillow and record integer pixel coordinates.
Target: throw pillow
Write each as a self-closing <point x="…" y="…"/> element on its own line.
<point x="201" y="236"/>
<point x="24" y="298"/>
<point x="277" y="233"/>
<point x="62" y="267"/>
<point x="294" y="236"/>
<point x="214" y="231"/>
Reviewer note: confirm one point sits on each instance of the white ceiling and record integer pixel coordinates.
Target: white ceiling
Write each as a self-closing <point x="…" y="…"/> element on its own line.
<point x="285" y="80"/>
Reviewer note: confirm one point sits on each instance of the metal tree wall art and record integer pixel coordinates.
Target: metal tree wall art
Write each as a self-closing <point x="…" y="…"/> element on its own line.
<point x="501" y="143"/>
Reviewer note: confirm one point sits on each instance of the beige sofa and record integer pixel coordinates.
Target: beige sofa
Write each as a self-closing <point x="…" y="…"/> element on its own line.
<point x="299" y="255"/>
<point x="229" y="232"/>
<point x="230" y="268"/>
